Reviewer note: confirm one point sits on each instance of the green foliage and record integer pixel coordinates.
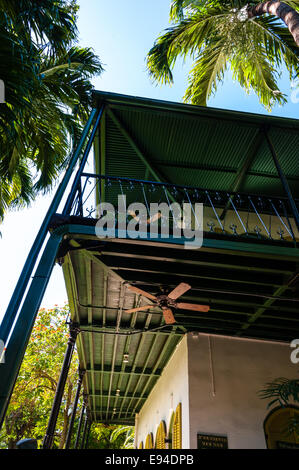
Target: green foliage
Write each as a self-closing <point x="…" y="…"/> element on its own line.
<point x="30" y="406"/>
<point x="47" y="92"/>
<point x="126" y="433"/>
<point x="282" y="392"/>
<point x="104" y="436"/>
<point x="218" y="35"/>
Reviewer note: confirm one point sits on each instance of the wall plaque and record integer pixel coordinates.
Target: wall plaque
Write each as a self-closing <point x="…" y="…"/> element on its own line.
<point x="208" y="441"/>
<point x="287" y="445"/>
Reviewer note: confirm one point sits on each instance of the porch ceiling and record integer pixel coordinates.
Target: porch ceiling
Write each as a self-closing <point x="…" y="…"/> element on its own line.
<point x="249" y="296"/>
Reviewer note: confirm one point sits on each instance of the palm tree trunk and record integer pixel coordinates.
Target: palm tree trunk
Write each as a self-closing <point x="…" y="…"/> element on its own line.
<point x="283" y="11"/>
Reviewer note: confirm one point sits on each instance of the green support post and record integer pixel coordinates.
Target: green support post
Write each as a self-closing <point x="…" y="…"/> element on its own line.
<point x="49" y="437"/>
<point x="80" y="422"/>
<point x="84" y="430"/>
<point x="17" y="343"/>
<point x="71" y="426"/>
<point x="18" y="294"/>
<point x="21" y="312"/>
<point x="283" y="180"/>
<point x="88" y="435"/>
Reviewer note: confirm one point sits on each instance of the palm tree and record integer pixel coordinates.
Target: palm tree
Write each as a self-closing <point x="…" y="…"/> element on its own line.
<point x="122" y="437"/>
<point x="282" y="392"/>
<point x="254" y="39"/>
<point x="47" y="92"/>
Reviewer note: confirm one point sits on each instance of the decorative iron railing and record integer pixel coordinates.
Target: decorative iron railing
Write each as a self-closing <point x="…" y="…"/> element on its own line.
<point x="225" y="214"/>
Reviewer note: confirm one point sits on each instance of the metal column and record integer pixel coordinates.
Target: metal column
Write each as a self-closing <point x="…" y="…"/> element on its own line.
<point x="24" y="278"/>
<point x="21" y="312"/>
<point x="16" y="346"/>
<point x="84" y="430"/>
<point x="284" y="181"/>
<point x="49" y="437"/>
<point x="88" y="434"/>
<point x="71" y="425"/>
<point x="80" y="422"/>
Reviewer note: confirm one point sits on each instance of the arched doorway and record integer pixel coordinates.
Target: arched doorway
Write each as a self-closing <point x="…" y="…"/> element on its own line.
<point x="149" y="442"/>
<point x="276" y="426"/>
<point x="161" y="436"/>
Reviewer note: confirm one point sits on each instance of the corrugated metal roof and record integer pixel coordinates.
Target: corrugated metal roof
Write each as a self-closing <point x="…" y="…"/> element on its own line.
<point x="197" y="146"/>
<point x="100" y="299"/>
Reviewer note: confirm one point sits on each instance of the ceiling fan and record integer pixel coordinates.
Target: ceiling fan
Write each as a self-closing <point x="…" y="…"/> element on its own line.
<point x="167" y="301"/>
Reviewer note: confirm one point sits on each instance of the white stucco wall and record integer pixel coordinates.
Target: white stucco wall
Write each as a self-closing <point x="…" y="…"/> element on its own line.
<point x="224" y="381"/>
<point x="217" y="379"/>
<point x="171" y="389"/>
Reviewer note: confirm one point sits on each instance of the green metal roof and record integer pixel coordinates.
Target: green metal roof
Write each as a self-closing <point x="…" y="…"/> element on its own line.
<point x="198" y="146"/>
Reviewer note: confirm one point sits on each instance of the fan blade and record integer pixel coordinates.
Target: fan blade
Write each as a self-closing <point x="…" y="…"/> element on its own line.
<point x="139" y="309"/>
<point x="168" y="315"/>
<point x="133" y="214"/>
<point x="196" y="308"/>
<point x="179" y="290"/>
<point x="154" y="217"/>
<point x="141" y="292"/>
<point x="151" y="219"/>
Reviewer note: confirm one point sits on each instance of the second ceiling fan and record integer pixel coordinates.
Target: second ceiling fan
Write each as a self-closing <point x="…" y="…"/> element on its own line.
<point x="167" y="302"/>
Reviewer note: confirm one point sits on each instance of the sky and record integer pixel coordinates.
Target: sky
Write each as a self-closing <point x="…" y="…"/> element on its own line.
<point x="121" y="33"/>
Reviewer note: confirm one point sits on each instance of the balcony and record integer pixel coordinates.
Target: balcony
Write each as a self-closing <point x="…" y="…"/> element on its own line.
<point x="242" y="168"/>
<point x="232" y="216"/>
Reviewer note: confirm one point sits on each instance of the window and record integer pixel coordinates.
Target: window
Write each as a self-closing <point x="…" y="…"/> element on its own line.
<point x="177" y="428"/>
<point x="161" y="436"/>
<point x="276" y="428"/>
<point x="170" y="429"/>
<point x="149" y="444"/>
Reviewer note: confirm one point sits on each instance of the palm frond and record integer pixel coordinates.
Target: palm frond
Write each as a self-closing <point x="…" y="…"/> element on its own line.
<point x="206" y="74"/>
<point x="47" y="94"/>
<point x="281" y="390"/>
<point x="184" y="39"/>
<point x="217" y="35"/>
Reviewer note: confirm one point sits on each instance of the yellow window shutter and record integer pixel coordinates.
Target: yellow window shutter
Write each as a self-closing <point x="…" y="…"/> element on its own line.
<point x="177" y="428"/>
<point x="149" y="441"/>
<point x="161" y="436"/>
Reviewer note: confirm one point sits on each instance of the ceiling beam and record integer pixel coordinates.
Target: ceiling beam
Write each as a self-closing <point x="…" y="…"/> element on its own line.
<point x="121" y="395"/>
<point x="206" y="167"/>
<point x="128" y="371"/>
<point x="163" y="266"/>
<point x="89" y="284"/>
<point x="268" y="303"/>
<point x="158" y="361"/>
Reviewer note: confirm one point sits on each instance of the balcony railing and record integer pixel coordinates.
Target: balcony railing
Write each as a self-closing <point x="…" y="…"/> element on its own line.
<point x="249" y="217"/>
